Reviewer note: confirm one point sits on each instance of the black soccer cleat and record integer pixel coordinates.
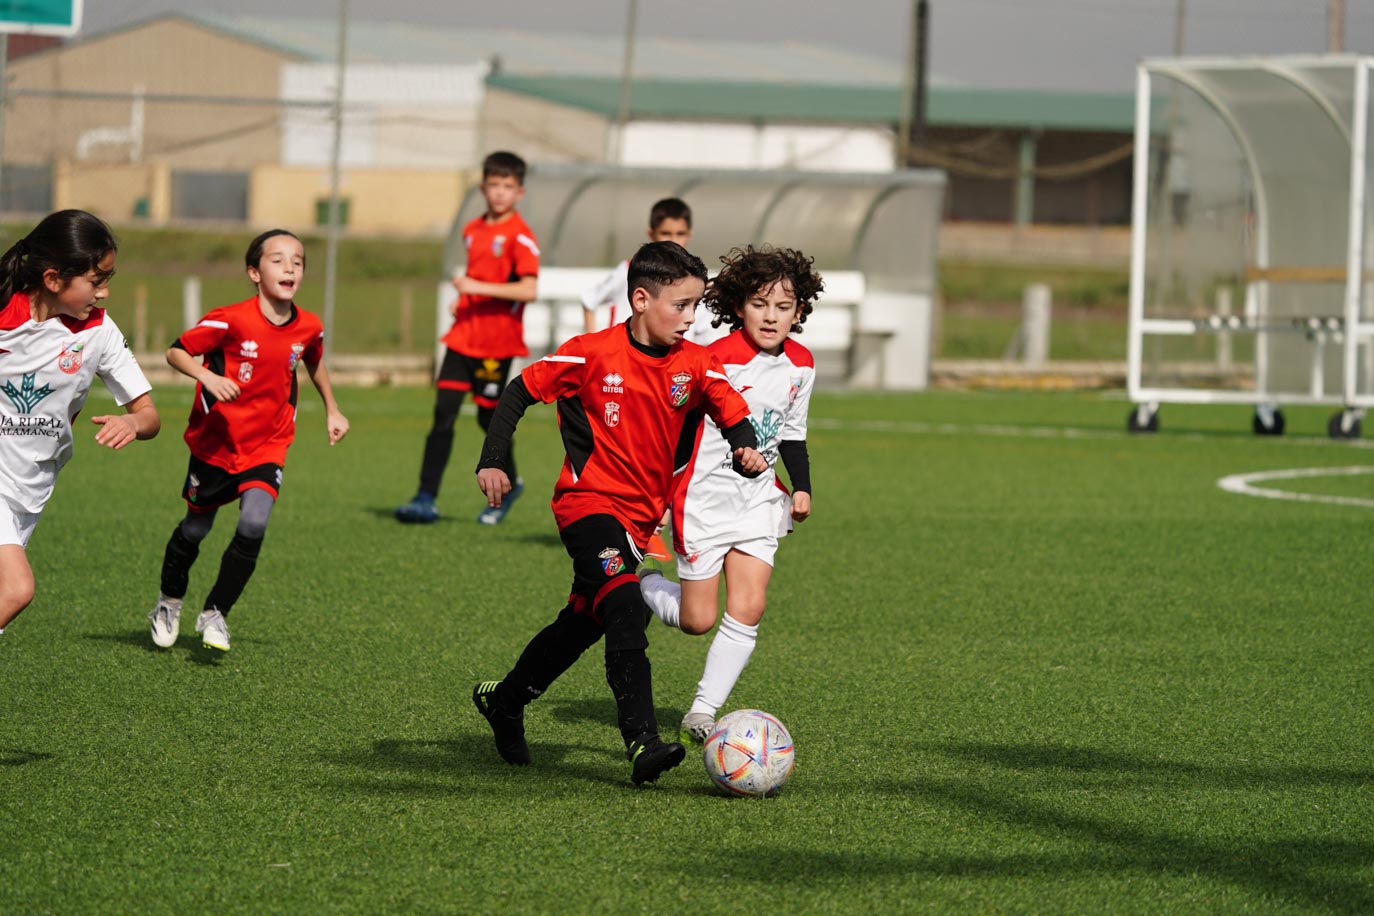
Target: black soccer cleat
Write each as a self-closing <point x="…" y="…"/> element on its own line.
<point x="651" y="759"/>
<point x="508" y="730"/>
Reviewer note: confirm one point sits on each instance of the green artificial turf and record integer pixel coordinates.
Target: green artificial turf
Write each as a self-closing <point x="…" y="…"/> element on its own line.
<point x="1031" y="664"/>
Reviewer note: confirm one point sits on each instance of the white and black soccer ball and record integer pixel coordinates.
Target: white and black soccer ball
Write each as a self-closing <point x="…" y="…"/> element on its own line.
<point x="749" y="753"/>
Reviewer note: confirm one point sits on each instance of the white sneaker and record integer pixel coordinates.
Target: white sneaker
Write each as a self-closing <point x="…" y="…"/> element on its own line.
<point x="213" y="630"/>
<point x="166" y="617"/>
<point x="697" y="726"/>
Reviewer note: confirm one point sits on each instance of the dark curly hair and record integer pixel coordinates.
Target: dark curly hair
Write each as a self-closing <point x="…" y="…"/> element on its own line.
<point x="748" y="270"/>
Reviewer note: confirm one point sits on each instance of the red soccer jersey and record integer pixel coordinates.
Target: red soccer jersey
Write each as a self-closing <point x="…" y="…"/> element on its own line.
<point x="239" y="343"/>
<point x="623" y="415"/>
<point x="503" y="252"/>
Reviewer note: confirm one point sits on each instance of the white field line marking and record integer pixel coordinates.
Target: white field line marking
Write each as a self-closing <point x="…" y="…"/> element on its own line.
<point x="1244" y="484"/>
<point x="922" y="428"/>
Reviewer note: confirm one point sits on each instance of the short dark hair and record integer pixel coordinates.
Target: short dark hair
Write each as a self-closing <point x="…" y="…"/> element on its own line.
<point x="70" y="242"/>
<point x="670" y="208"/>
<point x="253" y="257"/>
<point x="748" y="270"/>
<point x="657" y="264"/>
<point x="503" y="164"/>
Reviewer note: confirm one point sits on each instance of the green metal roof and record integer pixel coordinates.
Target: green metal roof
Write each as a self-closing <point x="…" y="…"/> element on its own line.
<point x="946" y="106"/>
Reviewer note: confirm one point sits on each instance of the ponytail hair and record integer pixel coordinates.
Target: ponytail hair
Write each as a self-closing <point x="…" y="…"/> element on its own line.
<point x="70" y="242"/>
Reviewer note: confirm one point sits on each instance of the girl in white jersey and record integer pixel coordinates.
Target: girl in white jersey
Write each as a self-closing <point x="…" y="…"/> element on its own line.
<point x="54" y="342"/>
<point x="730" y="525"/>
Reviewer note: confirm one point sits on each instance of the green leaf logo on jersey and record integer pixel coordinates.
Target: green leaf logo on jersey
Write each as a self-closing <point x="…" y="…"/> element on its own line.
<point x="26" y="396"/>
<point x="768" y="427"/>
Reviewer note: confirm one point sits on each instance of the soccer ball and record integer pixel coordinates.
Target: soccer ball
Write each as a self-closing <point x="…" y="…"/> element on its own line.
<point x="749" y="753"/>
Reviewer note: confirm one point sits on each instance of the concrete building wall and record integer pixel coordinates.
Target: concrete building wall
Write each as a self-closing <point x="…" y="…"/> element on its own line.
<point x="540" y="131"/>
<point x="379" y="201"/>
<point x="166" y="56"/>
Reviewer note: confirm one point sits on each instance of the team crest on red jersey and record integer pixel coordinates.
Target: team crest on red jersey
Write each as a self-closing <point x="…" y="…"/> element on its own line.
<point x="681" y="389"/>
<point x="296" y="350"/>
<point x="611" y="562"/>
<point x="612" y="415"/>
<point x="69" y="360"/>
<point x="498" y="245"/>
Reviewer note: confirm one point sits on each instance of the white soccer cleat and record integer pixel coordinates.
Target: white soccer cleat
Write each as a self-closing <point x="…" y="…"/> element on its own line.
<point x="166" y="620"/>
<point x="697" y="726"/>
<point x="213" y="630"/>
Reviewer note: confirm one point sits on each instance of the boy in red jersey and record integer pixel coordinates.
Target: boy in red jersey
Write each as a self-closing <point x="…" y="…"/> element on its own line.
<point x="487" y="332"/>
<point x="242" y="421"/>
<point x="626" y="400"/>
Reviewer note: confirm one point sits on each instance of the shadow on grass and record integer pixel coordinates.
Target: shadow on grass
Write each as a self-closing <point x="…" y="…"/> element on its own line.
<point x="1015" y="782"/>
<point x="469" y="764"/>
<point x="17" y="757"/>
<point x="196" y="652"/>
<point x="603" y="712"/>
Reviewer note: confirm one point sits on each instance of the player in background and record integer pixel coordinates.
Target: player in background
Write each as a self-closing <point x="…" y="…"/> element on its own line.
<point x="54" y="341"/>
<point x="487" y="333"/>
<point x="243" y="358"/>
<point x="670" y="220"/>
<point x="626" y="396"/>
<point x="721" y="521"/>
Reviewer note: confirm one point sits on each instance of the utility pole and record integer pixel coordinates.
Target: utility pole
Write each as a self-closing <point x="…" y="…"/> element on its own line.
<point x="911" y="120"/>
<point x="1180" y="15"/>
<point x="622" y="116"/>
<point x="331" y="256"/>
<point x="1335" y="26"/>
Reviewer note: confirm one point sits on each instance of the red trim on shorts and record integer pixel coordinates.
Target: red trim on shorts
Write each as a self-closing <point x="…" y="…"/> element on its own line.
<point x="484" y="402"/>
<point x="259" y="485"/>
<point x="622" y="579"/>
<point x="445" y="384"/>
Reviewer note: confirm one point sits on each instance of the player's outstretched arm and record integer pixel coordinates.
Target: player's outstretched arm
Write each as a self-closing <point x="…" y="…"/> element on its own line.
<point x="335" y="421"/>
<point x="492" y="477"/>
<point x="190" y="366"/>
<point x="140" y="420"/>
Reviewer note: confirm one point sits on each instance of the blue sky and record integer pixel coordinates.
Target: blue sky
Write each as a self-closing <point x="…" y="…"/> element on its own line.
<point x="1055" y="44"/>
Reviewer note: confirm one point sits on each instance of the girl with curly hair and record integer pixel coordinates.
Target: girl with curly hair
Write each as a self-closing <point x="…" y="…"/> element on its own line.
<point x="723" y="523"/>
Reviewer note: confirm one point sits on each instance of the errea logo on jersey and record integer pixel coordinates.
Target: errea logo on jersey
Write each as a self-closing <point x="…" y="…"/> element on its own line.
<point x="615" y="383"/>
<point x="248" y="349"/>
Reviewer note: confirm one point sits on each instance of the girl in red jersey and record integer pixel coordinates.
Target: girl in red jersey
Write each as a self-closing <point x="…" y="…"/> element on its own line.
<point x="55" y="341"/>
<point x="243" y="358"/>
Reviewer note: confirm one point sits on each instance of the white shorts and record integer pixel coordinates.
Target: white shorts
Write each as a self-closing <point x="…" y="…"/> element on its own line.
<point x="16" y="527"/>
<point x="711" y="561"/>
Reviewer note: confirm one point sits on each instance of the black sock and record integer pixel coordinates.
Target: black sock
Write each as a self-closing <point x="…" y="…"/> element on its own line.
<point x="235" y="569"/>
<point x="627" y="665"/>
<point x="177" y="561"/>
<point x="439" y="442"/>
<point x="553" y="650"/>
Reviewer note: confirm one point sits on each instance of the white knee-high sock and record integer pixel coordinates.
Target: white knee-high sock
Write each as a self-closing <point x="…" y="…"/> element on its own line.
<point x="664" y="597"/>
<point x="729" y="653"/>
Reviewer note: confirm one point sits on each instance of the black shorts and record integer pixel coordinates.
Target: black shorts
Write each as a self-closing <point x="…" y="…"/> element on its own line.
<point x="209" y="487"/>
<point x="485" y="378"/>
<point x="604" y="558"/>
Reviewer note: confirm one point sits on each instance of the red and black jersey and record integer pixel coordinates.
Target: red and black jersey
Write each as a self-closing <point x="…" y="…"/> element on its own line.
<point x="239" y="343"/>
<point x="624" y="417"/>
<point x="504" y="252"/>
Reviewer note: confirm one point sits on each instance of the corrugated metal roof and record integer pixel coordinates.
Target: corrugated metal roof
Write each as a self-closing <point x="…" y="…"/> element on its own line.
<point x="534" y="54"/>
<point x="811" y="102"/>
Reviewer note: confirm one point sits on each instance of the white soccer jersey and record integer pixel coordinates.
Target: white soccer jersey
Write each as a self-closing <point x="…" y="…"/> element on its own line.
<point x="714" y="506"/>
<point x="46" y="370"/>
<point x="614" y="291"/>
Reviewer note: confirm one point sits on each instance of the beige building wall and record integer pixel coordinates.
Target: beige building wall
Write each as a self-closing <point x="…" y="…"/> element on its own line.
<point x="541" y="131"/>
<point x="169" y="56"/>
<point x="116" y="192"/>
<point x="380" y="201"/>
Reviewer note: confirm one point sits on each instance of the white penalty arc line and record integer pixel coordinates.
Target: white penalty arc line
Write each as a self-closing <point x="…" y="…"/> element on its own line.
<point x="1244" y="485"/>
